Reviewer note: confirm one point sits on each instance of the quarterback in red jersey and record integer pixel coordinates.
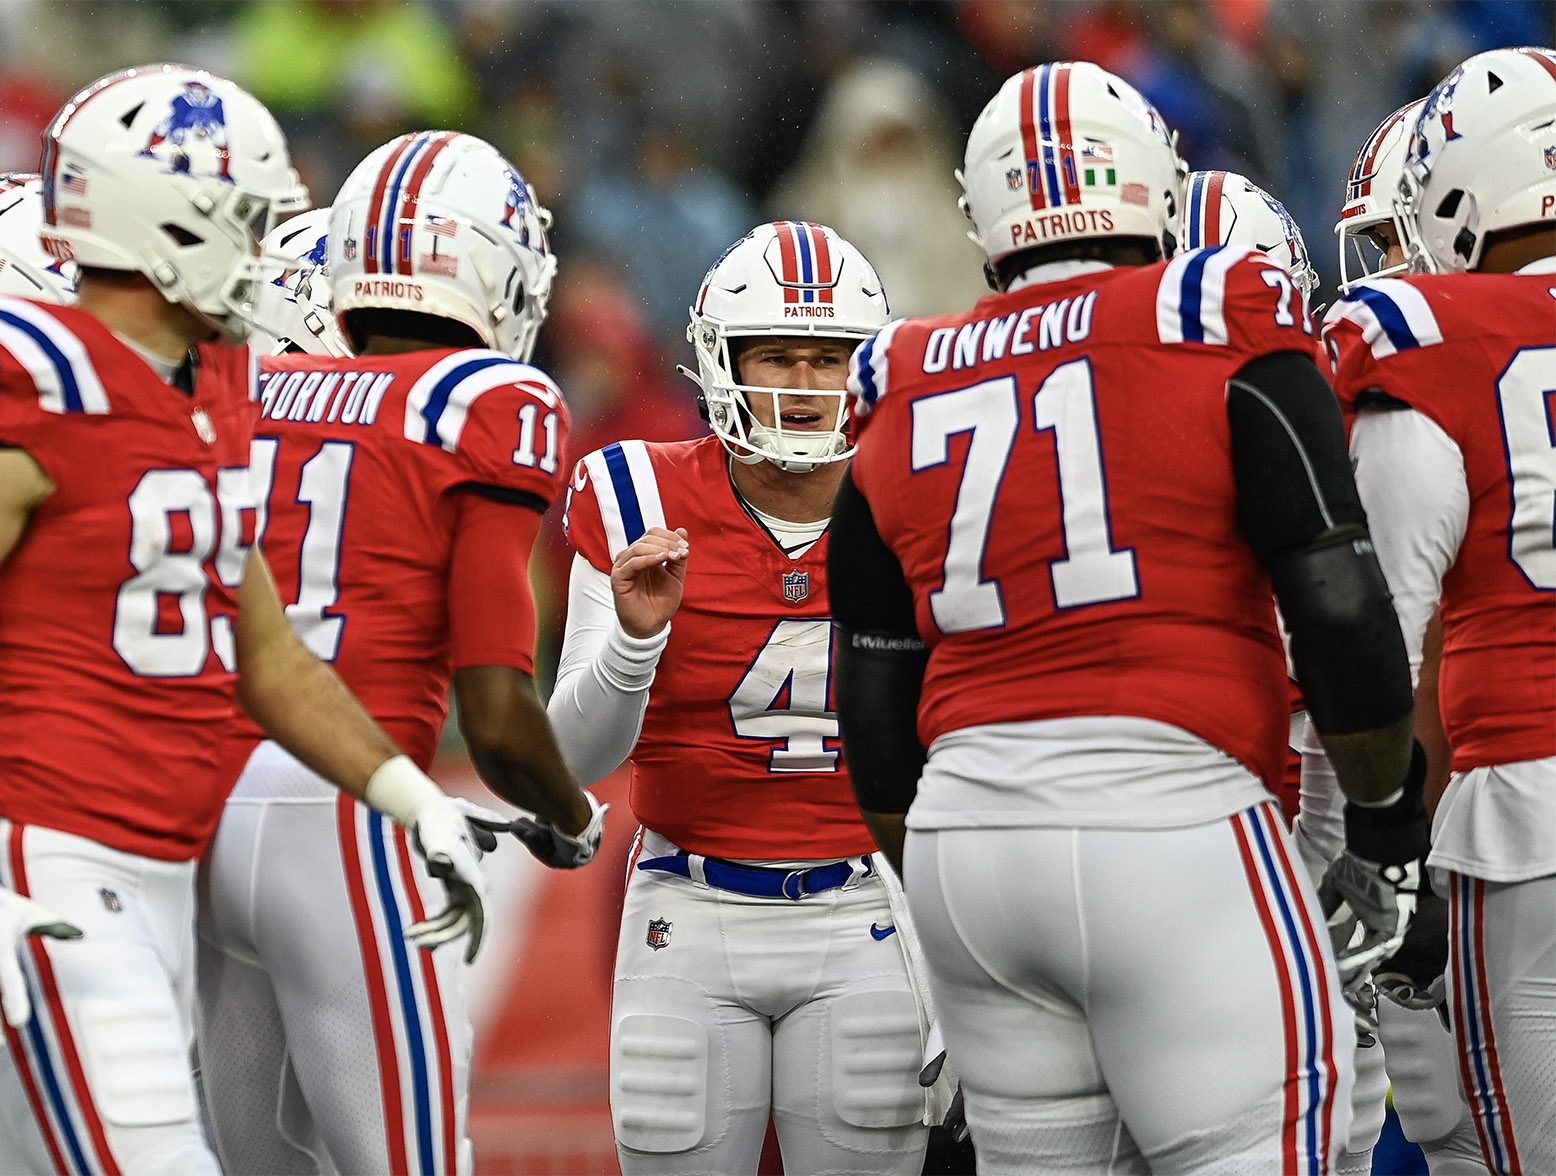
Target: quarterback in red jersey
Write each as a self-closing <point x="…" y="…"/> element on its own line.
<point x="135" y="616"/>
<point x="762" y="971"/>
<point x="1450" y="373"/>
<point x="1055" y="563"/>
<point x="401" y="489"/>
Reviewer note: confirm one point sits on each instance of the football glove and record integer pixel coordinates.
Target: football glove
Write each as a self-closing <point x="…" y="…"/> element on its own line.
<point x="1415" y="977"/>
<point x="559" y="850"/>
<point x="1373" y="884"/>
<point x="485" y="825"/>
<point x="443" y="837"/>
<point x="19" y="918"/>
<point x="955" y="1120"/>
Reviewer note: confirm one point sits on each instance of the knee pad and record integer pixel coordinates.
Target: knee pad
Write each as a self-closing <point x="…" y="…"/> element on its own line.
<point x="1369" y="1098"/>
<point x="1423" y="1062"/>
<point x="876" y="1056"/>
<point x="137" y="1061"/>
<point x="659" y="1082"/>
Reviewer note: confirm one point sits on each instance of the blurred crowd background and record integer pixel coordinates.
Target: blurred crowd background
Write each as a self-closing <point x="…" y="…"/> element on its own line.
<point x="659" y="131"/>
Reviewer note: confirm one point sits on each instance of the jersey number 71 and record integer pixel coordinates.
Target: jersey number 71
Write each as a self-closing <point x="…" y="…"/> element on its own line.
<point x="1091" y="571"/>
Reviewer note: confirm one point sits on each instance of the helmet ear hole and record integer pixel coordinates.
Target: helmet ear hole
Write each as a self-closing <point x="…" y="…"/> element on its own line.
<point x="1449" y="205"/>
<point x="182" y="235"/>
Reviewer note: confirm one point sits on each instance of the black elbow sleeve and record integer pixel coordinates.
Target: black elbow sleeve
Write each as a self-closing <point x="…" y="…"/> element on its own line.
<point x="879" y="679"/>
<point x="1346" y="644"/>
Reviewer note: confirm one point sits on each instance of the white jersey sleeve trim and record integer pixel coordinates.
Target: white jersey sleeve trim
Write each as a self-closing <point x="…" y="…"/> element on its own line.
<point x="1191" y="297"/>
<point x="603" y="678"/>
<point x="55" y="359"/>
<point x="627" y="490"/>
<point x="867" y="370"/>
<point x="440" y="401"/>
<point x="1410" y="475"/>
<point x="1393" y="316"/>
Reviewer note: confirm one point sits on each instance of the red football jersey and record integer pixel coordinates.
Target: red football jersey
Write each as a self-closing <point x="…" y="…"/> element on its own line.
<point x="1053" y="471"/>
<point x="116" y="607"/>
<point x="357" y="460"/>
<point x="740" y="754"/>
<point x="1476" y="354"/>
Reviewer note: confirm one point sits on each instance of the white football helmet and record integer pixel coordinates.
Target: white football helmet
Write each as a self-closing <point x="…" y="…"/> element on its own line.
<point x="1224" y="208"/>
<point x="1481" y="157"/>
<point x="787" y="279"/>
<point x="173" y="173"/>
<point x="1369" y="200"/>
<point x="439" y="223"/>
<point x="1068" y="151"/>
<point x="25" y="270"/>
<point x="292" y="305"/>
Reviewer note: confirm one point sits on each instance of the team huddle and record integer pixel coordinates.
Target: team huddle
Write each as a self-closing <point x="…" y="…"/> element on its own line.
<point x="1118" y="720"/>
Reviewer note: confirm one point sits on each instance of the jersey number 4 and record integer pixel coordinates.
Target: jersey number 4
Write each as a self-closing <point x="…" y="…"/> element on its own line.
<point x="783" y="697"/>
<point x="1091" y="571"/>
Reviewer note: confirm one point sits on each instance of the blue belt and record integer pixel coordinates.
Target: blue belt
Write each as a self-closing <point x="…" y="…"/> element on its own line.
<point x="761" y="881"/>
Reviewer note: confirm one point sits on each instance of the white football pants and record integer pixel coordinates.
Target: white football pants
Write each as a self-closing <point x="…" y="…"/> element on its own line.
<point x="1502" y="992"/>
<point x="326" y="1040"/>
<point x="99" y="1079"/>
<point x="728" y="1009"/>
<point x="1121" y="1000"/>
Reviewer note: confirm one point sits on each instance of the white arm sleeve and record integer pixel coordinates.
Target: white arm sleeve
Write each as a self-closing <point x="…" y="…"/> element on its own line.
<point x="1411" y="479"/>
<point x="1410" y="475"/>
<point x="602" y="680"/>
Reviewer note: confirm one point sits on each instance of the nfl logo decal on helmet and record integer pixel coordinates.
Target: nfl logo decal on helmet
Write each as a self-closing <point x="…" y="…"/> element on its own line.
<point x="658" y="933"/>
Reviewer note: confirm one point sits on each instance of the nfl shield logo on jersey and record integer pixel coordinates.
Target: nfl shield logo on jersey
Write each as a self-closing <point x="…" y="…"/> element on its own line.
<point x="658" y="933"/>
<point x="796" y="586"/>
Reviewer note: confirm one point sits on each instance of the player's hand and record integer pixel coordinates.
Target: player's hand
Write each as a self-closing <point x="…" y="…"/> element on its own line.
<point x="1379" y="899"/>
<point x="647" y="578"/>
<point x="955" y="1120"/>
<point x="442" y="836"/>
<point x="1373" y="884"/>
<point x="1414" y="977"/>
<point x="559" y="850"/>
<point x="486" y="826"/>
<point x="19" y="918"/>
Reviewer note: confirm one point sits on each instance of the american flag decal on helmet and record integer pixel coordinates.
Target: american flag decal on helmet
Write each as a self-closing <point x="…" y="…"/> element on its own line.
<point x="806" y="257"/>
<point x="1047" y="137"/>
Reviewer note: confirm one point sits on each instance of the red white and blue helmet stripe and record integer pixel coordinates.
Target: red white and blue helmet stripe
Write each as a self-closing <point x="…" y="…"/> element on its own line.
<point x="1202" y="222"/>
<point x="392" y="211"/>
<point x="808" y="273"/>
<point x="1047" y="136"/>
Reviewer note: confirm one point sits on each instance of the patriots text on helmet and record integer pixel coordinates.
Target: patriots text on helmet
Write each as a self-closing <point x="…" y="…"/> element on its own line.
<point x="805" y="311"/>
<point x="1037" y="229"/>
<point x="987" y="340"/>
<point x="386" y="288"/>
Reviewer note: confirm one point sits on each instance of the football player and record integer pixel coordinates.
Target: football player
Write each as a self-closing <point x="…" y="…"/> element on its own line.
<point x="1054" y="565"/>
<point x="135" y="616"/>
<point x="1427" y="1093"/>
<point x="1449" y="372"/>
<point x="401" y="491"/>
<point x="761" y="970"/>
<point x="1224" y="208"/>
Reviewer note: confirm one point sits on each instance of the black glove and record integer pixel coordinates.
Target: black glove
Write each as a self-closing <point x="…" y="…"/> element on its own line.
<point x="955" y="1120"/>
<point x="560" y="850"/>
<point x="1414" y="977"/>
